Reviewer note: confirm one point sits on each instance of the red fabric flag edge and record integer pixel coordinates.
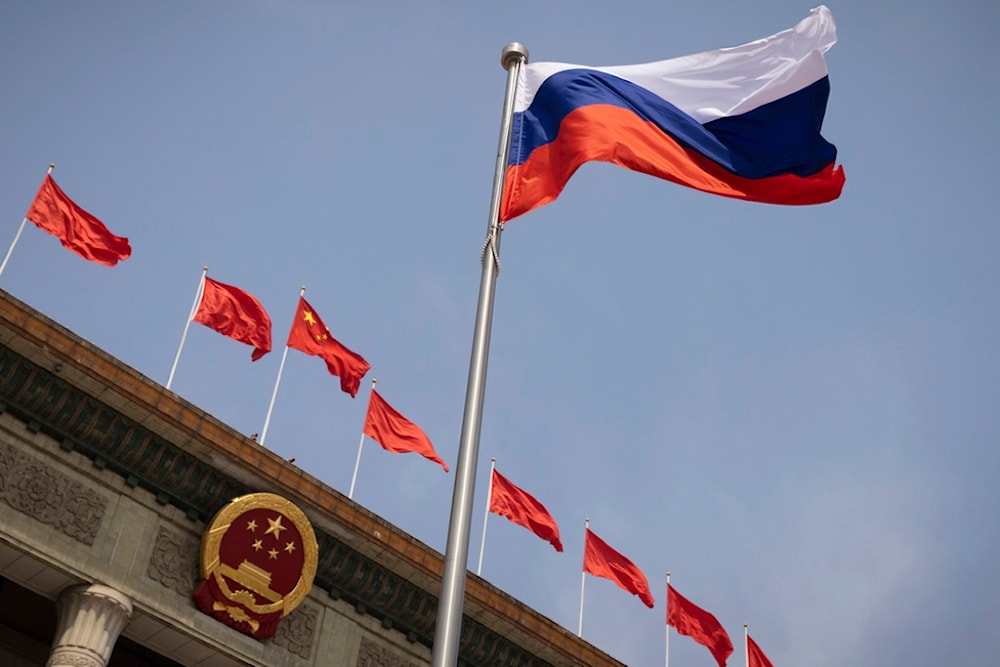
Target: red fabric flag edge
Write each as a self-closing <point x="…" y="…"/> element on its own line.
<point x="53" y="212"/>
<point x="691" y="620"/>
<point x="520" y="507"/>
<point x="235" y="313"/>
<point x="396" y="433"/>
<point x="349" y="366"/>
<point x="755" y="656"/>
<point x="601" y="560"/>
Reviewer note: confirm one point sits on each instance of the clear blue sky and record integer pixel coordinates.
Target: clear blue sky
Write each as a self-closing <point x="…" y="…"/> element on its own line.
<point x="794" y="410"/>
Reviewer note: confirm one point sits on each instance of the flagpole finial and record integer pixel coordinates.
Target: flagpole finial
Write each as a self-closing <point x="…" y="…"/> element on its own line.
<point x="52" y="165"/>
<point x="493" y="459"/>
<point x="744" y="626"/>
<point x="668" y="574"/>
<point x="512" y="53"/>
<point x="374" y="380"/>
<point x="205" y="268"/>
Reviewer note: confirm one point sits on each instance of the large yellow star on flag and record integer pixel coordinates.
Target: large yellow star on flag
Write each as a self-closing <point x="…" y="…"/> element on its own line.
<point x="308" y="317"/>
<point x="274" y="526"/>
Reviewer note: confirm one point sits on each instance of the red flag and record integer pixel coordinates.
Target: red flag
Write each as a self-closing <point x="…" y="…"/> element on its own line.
<point x="310" y="335"/>
<point x="690" y="619"/>
<point x="601" y="560"/>
<point x="521" y="507"/>
<point x="395" y="432"/>
<point x="52" y="211"/>
<point x="756" y="657"/>
<point x="235" y="313"/>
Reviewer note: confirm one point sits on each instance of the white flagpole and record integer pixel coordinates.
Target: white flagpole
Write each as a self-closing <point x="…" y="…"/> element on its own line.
<point x="448" y="628"/>
<point x="194" y="307"/>
<point x="24" y="221"/>
<point x="357" y="462"/>
<point x="666" y="662"/>
<point x="746" y="644"/>
<point x="10" y="250"/>
<point x="281" y="368"/>
<point x="583" y="576"/>
<point x="489" y="499"/>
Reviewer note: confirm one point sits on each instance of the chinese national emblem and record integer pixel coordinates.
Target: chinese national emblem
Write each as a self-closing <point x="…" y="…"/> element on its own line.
<point x="258" y="560"/>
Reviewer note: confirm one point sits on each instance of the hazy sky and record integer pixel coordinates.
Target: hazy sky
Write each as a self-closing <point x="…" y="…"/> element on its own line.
<point x="794" y="410"/>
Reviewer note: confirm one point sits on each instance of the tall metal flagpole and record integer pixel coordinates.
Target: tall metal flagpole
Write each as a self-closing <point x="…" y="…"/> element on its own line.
<point x="277" y="381"/>
<point x="24" y="221"/>
<point x="449" y="613"/>
<point x="194" y="308"/>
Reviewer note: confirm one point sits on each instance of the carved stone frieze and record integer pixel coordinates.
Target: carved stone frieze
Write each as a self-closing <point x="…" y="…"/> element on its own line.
<point x="296" y="631"/>
<point x="372" y="654"/>
<point x="48" y="496"/>
<point x="174" y="561"/>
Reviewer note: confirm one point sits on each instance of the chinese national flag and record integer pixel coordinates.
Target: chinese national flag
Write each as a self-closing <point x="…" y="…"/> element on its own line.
<point x="601" y="560"/>
<point x="310" y="335"/>
<point x="691" y="620"/>
<point x="52" y="211"/>
<point x="395" y="432"/>
<point x="756" y="657"/>
<point x="235" y="313"/>
<point x="520" y="507"/>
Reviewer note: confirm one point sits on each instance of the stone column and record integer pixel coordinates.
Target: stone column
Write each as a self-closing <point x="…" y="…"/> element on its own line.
<point x="91" y="617"/>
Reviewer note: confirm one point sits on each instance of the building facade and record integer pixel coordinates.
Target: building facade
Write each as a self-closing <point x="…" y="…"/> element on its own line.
<point x="108" y="482"/>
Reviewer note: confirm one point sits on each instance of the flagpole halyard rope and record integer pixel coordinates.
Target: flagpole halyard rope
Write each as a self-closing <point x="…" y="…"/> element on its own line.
<point x="491" y="244"/>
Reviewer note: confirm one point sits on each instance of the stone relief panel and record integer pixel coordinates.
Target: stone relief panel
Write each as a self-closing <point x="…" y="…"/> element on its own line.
<point x="373" y="655"/>
<point x="48" y="496"/>
<point x="174" y="561"/>
<point x="296" y="631"/>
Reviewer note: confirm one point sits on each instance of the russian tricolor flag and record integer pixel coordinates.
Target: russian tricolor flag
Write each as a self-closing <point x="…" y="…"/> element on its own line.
<point x="741" y="122"/>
